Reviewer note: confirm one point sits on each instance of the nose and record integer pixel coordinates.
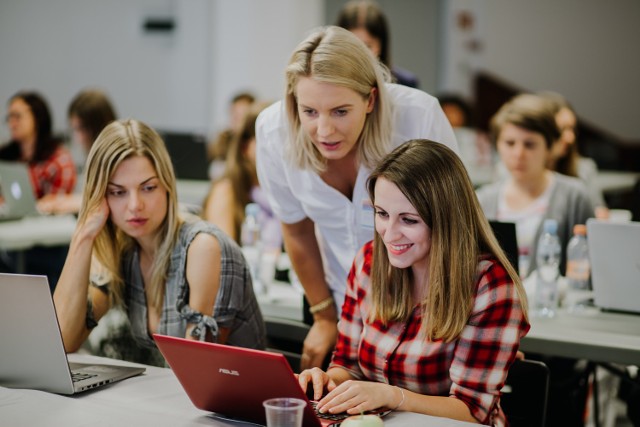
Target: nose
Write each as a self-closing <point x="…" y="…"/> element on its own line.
<point x="135" y="202"/>
<point x="518" y="150"/>
<point x="325" y="126"/>
<point x="391" y="231"/>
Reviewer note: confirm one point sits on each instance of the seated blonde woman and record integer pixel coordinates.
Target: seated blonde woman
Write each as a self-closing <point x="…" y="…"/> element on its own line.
<point x="175" y="276"/>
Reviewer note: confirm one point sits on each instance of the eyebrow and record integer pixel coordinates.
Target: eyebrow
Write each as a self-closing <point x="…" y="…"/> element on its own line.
<point x="401" y="213"/>
<point x="142" y="183"/>
<point x="332" y="108"/>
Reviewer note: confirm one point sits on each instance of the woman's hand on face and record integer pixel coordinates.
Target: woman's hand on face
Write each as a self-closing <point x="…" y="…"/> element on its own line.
<point x="355" y="397"/>
<point x="96" y="219"/>
<point x="318" y="378"/>
<point x="320" y="340"/>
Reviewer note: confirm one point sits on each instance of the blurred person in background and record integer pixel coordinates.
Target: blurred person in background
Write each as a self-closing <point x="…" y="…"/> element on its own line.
<point x="367" y="21"/>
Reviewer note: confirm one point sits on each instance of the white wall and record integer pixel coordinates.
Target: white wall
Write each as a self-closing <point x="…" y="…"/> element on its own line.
<point x="585" y="49"/>
<point x="181" y="80"/>
<point x="58" y="47"/>
<point x="252" y="41"/>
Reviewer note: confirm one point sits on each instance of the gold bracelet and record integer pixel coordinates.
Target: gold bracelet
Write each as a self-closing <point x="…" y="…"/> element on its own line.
<point x="322" y="305"/>
<point x="401" y="400"/>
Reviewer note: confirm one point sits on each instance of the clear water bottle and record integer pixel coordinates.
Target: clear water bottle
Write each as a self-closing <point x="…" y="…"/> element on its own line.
<point x="548" y="267"/>
<point x="252" y="245"/>
<point x="578" y="269"/>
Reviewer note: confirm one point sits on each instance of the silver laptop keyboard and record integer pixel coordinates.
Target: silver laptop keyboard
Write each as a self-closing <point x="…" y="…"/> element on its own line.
<point x="79" y="376"/>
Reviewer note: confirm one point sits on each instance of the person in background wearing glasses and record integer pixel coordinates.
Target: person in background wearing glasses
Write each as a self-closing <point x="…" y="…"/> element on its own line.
<point x="50" y="164"/>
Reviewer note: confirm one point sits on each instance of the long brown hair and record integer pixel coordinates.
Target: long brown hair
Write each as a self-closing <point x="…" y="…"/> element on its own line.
<point x="93" y="108"/>
<point x="433" y="178"/>
<point x="567" y="164"/>
<point x="239" y="170"/>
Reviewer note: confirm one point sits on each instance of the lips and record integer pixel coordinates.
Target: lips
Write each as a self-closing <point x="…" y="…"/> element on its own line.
<point x="137" y="221"/>
<point x="399" y="249"/>
<point x="330" y="145"/>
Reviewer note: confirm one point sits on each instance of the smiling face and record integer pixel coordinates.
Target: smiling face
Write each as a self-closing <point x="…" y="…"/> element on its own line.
<point x="332" y="116"/>
<point x="405" y="235"/>
<point x="20" y="120"/>
<point x="136" y="198"/>
<point x="523" y="152"/>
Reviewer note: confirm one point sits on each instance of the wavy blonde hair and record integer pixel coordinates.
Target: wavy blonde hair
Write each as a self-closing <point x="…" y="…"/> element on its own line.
<point x="334" y="55"/>
<point x="117" y="142"/>
<point x="432" y="177"/>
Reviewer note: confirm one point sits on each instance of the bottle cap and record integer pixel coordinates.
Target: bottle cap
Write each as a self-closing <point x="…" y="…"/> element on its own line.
<point x="550" y="226"/>
<point x="580" y="229"/>
<point x="252" y="209"/>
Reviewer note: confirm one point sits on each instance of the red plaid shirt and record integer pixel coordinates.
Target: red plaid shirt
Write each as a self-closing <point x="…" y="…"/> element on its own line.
<point x="56" y="175"/>
<point x="472" y="368"/>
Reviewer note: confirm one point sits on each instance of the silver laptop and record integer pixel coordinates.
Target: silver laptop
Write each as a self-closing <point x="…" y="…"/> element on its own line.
<point x="31" y="351"/>
<point x="614" y="252"/>
<point x="17" y="191"/>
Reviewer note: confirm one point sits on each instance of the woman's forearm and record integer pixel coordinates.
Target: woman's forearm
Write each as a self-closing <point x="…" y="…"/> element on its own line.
<point x="71" y="293"/>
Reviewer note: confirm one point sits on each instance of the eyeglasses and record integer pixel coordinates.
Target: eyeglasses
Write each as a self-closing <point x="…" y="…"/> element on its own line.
<point x="13" y="116"/>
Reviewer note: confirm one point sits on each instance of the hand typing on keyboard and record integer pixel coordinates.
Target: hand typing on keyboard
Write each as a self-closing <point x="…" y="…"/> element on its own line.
<point x="344" y="394"/>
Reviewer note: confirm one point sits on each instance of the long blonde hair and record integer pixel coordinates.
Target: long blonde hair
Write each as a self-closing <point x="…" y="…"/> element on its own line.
<point x="334" y="55"/>
<point x="117" y="142"/>
<point x="434" y="180"/>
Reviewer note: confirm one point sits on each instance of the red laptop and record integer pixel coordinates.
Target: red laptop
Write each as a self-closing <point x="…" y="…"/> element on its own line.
<point x="233" y="381"/>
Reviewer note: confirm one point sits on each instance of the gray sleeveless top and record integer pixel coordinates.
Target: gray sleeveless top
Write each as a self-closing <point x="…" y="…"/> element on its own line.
<point x="236" y="306"/>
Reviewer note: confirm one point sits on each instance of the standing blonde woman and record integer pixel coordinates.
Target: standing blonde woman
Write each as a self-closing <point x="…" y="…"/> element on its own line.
<point x="176" y="277"/>
<point x="315" y="151"/>
<point x="434" y="311"/>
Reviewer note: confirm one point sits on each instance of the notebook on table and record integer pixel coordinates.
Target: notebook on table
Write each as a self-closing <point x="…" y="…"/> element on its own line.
<point x="17" y="191"/>
<point x="614" y="253"/>
<point x="32" y="354"/>
<point x="233" y="381"/>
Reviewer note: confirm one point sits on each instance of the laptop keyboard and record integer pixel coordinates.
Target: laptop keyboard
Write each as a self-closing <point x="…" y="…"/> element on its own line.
<point x="328" y="416"/>
<point x="79" y="376"/>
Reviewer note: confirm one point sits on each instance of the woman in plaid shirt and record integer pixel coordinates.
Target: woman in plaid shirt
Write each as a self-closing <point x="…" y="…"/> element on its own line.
<point x="51" y="166"/>
<point x="434" y="312"/>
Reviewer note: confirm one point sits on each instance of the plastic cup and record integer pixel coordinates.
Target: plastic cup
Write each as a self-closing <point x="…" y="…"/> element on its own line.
<point x="284" y="411"/>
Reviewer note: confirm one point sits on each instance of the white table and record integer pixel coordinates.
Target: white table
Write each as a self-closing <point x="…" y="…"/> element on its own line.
<point x="281" y="300"/>
<point x="192" y="192"/>
<point x="616" y="181"/>
<point x="47" y="230"/>
<point x="591" y="334"/>
<point x="152" y="399"/>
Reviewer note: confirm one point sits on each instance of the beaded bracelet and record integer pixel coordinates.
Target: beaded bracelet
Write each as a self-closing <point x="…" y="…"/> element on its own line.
<point x="322" y="305"/>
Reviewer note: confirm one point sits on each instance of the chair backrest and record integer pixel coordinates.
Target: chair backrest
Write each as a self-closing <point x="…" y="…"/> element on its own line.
<point x="524" y="396"/>
<point x="286" y="337"/>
